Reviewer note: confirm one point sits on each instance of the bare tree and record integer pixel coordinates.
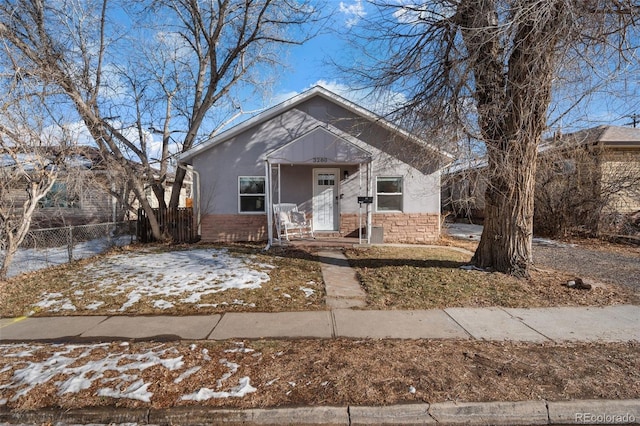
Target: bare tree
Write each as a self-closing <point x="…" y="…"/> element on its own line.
<point x="80" y="46"/>
<point x="584" y="189"/>
<point x="27" y="169"/>
<point x="497" y="61"/>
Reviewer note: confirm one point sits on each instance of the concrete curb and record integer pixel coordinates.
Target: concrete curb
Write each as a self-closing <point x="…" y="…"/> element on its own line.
<point x="446" y="413"/>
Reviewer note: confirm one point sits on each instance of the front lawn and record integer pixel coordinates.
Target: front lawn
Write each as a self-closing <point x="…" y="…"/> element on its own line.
<point x="428" y="278"/>
<point x="171" y="281"/>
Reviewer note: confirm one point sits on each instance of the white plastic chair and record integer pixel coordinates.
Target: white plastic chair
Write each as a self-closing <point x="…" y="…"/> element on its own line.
<point x="289" y="219"/>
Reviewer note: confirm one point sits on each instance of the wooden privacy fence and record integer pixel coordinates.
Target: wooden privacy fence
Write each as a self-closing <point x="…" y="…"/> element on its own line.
<point x="177" y="223"/>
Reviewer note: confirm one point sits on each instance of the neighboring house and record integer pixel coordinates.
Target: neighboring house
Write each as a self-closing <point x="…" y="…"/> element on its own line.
<point x="582" y="178"/>
<point x="319" y="152"/>
<point x="185" y="191"/>
<point x="81" y="194"/>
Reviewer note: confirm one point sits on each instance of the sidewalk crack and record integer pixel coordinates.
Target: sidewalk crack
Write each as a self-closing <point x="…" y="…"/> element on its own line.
<point x="546" y="404"/>
<point x="525" y="324"/>
<point x="334" y="325"/>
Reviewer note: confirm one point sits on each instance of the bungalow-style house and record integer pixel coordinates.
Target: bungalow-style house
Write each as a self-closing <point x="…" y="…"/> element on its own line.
<point x="583" y="180"/>
<point x="348" y="169"/>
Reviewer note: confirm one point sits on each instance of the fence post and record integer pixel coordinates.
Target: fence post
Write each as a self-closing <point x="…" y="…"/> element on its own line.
<point x="107" y="226"/>
<point x="70" y="243"/>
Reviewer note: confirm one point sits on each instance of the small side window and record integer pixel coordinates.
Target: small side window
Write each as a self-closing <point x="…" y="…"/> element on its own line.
<point x="388" y="194"/>
<point x="251" y="194"/>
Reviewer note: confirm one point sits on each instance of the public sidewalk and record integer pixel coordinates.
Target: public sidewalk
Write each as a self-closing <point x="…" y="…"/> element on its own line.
<point x="606" y="324"/>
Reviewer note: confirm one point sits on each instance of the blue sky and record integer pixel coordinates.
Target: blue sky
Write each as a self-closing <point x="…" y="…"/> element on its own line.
<point x="309" y="65"/>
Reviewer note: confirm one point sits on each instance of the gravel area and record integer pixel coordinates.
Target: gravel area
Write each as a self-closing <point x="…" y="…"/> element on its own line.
<point x="605" y="264"/>
<point x="601" y="265"/>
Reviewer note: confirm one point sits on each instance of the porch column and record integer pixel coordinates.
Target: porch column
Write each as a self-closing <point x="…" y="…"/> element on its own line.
<point x="267" y="201"/>
<point x="369" y="206"/>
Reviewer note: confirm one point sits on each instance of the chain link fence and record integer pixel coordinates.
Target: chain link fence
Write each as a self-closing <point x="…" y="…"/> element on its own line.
<point x="43" y="248"/>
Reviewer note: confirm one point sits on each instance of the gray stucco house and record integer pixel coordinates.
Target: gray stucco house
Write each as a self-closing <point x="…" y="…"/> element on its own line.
<point x="320" y="152"/>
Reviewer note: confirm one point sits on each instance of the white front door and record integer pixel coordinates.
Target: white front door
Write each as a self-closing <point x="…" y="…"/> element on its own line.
<point x="325" y="199"/>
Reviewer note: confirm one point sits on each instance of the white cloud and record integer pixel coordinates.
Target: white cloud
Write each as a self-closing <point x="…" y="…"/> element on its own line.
<point x="353" y="12"/>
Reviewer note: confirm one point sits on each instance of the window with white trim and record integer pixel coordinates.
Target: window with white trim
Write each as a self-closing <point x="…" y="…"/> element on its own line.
<point x="251" y="194"/>
<point x="388" y="194"/>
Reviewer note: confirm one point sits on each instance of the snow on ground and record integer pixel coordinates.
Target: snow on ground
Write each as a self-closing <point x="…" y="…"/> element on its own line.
<point x="73" y="368"/>
<point x="187" y="275"/>
<point x="29" y="260"/>
<point x="472" y="232"/>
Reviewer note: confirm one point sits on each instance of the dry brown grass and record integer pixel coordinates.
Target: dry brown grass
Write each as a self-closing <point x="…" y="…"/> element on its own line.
<point x="362" y="372"/>
<point x="428" y="278"/>
<point x="293" y="269"/>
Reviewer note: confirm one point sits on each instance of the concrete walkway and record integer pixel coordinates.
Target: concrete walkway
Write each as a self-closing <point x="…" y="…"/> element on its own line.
<point x="606" y="324"/>
<point x="341" y="284"/>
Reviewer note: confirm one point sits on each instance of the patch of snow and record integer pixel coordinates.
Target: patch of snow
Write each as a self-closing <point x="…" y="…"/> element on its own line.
<point x="239" y="349"/>
<point x="29" y="374"/>
<point x="162" y="304"/>
<point x="244" y="387"/>
<point x="54" y="302"/>
<point x="233" y="368"/>
<point x="471" y="268"/>
<point x="286" y="295"/>
<point x="187" y="373"/>
<point x="190" y="274"/>
<point x="29" y="260"/>
<point x="308" y="292"/>
<point x="137" y="390"/>
<point x="93" y="306"/>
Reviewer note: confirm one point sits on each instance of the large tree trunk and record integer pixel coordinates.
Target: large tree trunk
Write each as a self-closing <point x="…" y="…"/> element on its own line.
<point x="505" y="244"/>
<point x="512" y="101"/>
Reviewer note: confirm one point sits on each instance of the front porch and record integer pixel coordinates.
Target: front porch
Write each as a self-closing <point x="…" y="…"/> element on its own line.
<point x="322" y="173"/>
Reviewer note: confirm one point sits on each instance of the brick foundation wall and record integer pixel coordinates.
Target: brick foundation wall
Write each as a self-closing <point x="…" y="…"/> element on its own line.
<point x="398" y="227"/>
<point x="234" y="227"/>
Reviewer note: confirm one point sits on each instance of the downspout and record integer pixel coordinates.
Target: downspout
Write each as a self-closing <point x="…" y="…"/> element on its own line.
<point x="114" y="203"/>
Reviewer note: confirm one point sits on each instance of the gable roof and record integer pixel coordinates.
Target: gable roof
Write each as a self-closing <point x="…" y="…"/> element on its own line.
<point x="291" y="103"/>
<point x="320" y="142"/>
<point x="611" y="136"/>
<point x="607" y="135"/>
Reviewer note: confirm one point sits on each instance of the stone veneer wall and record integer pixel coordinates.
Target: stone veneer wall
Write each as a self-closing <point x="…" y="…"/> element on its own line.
<point x="398" y="227"/>
<point x="234" y="227"/>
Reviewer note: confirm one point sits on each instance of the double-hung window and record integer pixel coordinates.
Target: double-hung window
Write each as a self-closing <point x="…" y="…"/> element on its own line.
<point x="60" y="196"/>
<point x="251" y="194"/>
<point x="389" y="194"/>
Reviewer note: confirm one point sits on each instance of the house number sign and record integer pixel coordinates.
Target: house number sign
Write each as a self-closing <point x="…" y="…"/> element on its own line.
<point x="320" y="159"/>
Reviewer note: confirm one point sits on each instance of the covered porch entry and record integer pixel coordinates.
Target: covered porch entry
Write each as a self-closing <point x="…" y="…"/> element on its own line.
<point x="322" y="173"/>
